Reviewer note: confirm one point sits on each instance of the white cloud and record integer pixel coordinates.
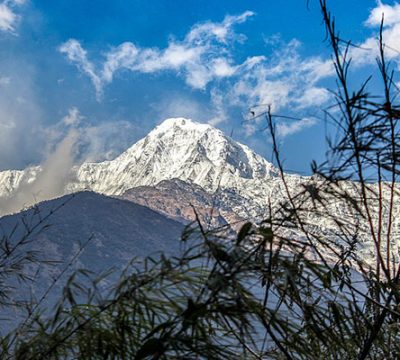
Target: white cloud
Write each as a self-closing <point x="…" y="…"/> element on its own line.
<point x="122" y="56"/>
<point x="391" y="15"/>
<point x="283" y="80"/>
<point x="73" y="118"/>
<point x="96" y="141"/>
<point x="76" y="54"/>
<point x="284" y="129"/>
<point x="221" y="68"/>
<point x="8" y="17"/>
<point x="222" y="32"/>
<point x="250" y="129"/>
<point x="67" y="143"/>
<point x="106" y="140"/>
<point x="51" y="180"/>
<point x="313" y="96"/>
<point x="366" y="52"/>
<point x="200" y="57"/>
<point x="218" y="104"/>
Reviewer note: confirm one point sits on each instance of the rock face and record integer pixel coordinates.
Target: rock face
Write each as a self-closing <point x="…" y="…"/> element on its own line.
<point x="182" y="201"/>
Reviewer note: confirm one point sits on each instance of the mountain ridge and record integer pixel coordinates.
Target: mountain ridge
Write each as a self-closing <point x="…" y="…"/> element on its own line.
<point x="177" y="148"/>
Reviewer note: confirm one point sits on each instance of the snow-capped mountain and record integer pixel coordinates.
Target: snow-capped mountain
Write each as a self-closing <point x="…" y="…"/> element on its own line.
<point x="11" y="180"/>
<point x="178" y="148"/>
<point x="221" y="174"/>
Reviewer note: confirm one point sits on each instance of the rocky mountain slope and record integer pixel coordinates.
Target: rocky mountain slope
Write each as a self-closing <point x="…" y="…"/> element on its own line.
<point x="182" y="201"/>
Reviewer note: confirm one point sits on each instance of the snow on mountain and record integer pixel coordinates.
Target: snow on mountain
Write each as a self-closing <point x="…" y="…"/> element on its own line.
<point x="178" y="148"/>
<point x="10" y="180"/>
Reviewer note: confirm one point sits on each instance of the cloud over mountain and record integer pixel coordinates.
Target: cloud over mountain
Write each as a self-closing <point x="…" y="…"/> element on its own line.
<point x="200" y="57"/>
<point x="205" y="60"/>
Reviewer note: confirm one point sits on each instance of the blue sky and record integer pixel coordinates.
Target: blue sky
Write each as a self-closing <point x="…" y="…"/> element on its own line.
<point x="112" y="70"/>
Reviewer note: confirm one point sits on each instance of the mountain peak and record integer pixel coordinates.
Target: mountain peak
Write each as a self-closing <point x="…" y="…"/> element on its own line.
<point x="178" y="148"/>
<point x="182" y="125"/>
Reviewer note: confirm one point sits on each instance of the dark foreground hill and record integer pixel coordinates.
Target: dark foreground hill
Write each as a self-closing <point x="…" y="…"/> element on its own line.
<point x="88" y="230"/>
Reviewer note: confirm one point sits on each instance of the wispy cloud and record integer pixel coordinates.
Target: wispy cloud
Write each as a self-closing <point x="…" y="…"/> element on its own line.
<point x="206" y="53"/>
<point x="285" y="80"/>
<point x="67" y="143"/>
<point x="284" y="129"/>
<point x="50" y="182"/>
<point x="106" y="140"/>
<point x="77" y="55"/>
<point x="73" y="118"/>
<point x="8" y="16"/>
<point x="200" y="57"/>
<point x="94" y="141"/>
